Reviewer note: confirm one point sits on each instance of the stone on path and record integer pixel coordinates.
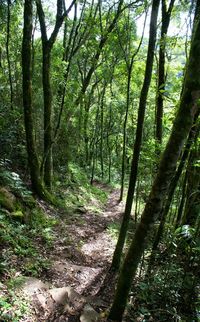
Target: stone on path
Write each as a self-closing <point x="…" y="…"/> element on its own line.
<point x="51" y="298"/>
<point x="89" y="314"/>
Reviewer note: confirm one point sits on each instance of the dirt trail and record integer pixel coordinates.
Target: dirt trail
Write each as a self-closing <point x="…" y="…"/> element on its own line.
<point x="81" y="254"/>
<point x="81" y="263"/>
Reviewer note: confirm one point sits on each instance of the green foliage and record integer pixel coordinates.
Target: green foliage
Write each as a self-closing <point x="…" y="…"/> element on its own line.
<point x="12" y="180"/>
<point x="13" y="306"/>
<point x="113" y="230"/>
<point x="19" y="242"/>
<point x="158" y="297"/>
<point x="90" y="137"/>
<point x="80" y="192"/>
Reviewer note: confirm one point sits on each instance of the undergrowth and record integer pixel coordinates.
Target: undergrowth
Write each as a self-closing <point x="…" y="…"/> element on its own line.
<point x="76" y="191"/>
<point x="28" y="231"/>
<point x="170" y="293"/>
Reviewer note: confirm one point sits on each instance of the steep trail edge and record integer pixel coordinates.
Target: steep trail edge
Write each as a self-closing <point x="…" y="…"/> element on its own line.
<point x="75" y="287"/>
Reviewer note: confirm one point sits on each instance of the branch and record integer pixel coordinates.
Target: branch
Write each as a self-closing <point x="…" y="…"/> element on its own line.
<point x="42" y="20"/>
<point x="59" y="20"/>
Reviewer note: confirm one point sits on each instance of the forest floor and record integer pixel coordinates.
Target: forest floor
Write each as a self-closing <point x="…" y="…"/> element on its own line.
<point x="80" y="257"/>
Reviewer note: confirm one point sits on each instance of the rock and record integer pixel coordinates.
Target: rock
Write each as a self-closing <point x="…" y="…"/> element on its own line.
<point x="60" y="295"/>
<point x="70" y="299"/>
<point x="89" y="314"/>
<point x="33" y="285"/>
<point x="7" y="199"/>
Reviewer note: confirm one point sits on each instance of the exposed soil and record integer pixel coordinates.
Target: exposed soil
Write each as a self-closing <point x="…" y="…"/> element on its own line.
<point x="80" y="258"/>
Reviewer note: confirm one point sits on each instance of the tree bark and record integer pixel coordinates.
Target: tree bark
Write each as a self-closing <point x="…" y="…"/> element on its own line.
<point x="170" y="195"/>
<point x="102" y="130"/>
<point x="47" y="96"/>
<point x="27" y="99"/>
<point x="138" y="139"/>
<point x="189" y="104"/>
<point x="192" y="205"/>
<point x="166" y="14"/>
<point x="129" y="71"/>
<point x="47" y="45"/>
<point x="8" y="53"/>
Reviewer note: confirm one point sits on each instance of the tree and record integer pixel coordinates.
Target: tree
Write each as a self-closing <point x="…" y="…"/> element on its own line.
<point x="189" y="106"/>
<point x="8" y="52"/>
<point x="47" y="45"/>
<point x="166" y="14"/>
<point x="27" y="100"/>
<point x="192" y="202"/>
<point x="138" y="138"/>
<point x="129" y="60"/>
<point x="172" y="187"/>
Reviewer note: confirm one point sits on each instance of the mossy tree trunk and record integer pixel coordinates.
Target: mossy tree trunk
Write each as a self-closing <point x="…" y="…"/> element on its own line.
<point x="138" y="139"/>
<point x="192" y="205"/>
<point x="129" y="72"/>
<point x="47" y="45"/>
<point x="47" y="96"/>
<point x="129" y="59"/>
<point x="189" y="105"/>
<point x="8" y="53"/>
<point x="166" y="14"/>
<point x="172" y="188"/>
<point x="27" y="99"/>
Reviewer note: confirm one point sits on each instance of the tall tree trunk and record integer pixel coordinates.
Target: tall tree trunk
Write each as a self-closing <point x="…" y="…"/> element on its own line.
<point x="8" y="53"/>
<point x="192" y="205"/>
<point x="109" y="144"/>
<point x="102" y="130"/>
<point x="47" y="96"/>
<point x="166" y="14"/>
<point x="47" y="45"/>
<point x="27" y="100"/>
<point x="138" y="139"/>
<point x="189" y="105"/>
<point x="129" y="70"/>
<point x="182" y="201"/>
<point x="94" y="146"/>
<point x="129" y="66"/>
<point x="172" y="188"/>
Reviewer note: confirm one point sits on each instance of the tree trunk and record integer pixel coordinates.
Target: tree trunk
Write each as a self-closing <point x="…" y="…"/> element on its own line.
<point x="189" y="105"/>
<point x="170" y="195"/>
<point x="192" y="205"/>
<point x="47" y="45"/>
<point x="8" y="53"/>
<point x="102" y="130"/>
<point x="27" y="99"/>
<point x="129" y="70"/>
<point x="47" y="96"/>
<point x="94" y="147"/>
<point x="166" y="14"/>
<point x="109" y="145"/>
<point x="138" y="139"/>
<point x="182" y="202"/>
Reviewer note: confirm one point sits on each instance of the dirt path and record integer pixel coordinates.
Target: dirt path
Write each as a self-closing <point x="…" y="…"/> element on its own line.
<point x="82" y="252"/>
<point x="83" y="248"/>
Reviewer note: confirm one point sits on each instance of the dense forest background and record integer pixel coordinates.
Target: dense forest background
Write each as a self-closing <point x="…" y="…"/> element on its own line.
<point x="101" y="96"/>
